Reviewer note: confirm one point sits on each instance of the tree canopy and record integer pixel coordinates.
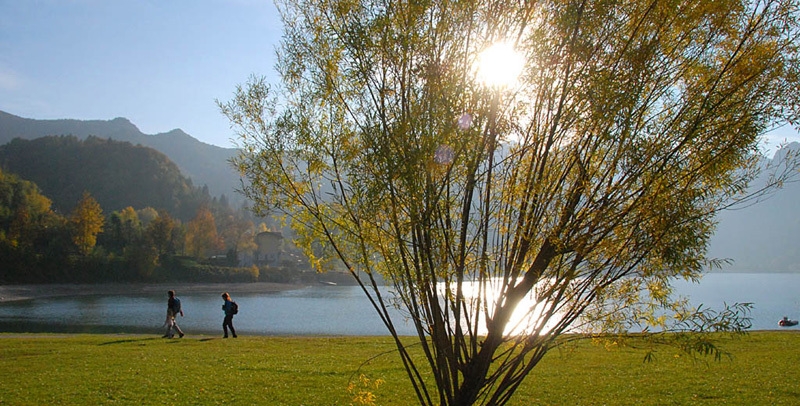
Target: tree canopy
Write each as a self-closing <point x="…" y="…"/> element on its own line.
<point x="504" y="213"/>
<point x="86" y="222"/>
<point x="117" y="173"/>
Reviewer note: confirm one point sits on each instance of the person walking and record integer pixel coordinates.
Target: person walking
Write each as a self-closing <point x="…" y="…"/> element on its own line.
<point x="230" y="308"/>
<point x="173" y="309"/>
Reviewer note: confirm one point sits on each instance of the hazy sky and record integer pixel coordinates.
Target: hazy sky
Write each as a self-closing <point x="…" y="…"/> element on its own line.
<point x="159" y="63"/>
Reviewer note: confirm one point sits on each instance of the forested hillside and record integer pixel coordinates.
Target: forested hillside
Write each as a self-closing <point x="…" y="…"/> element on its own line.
<point x="122" y="167"/>
<point x="117" y="174"/>
<point x="204" y="164"/>
<point x="92" y="244"/>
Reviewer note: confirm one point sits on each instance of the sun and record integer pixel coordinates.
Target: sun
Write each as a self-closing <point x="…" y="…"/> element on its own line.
<point x="499" y="65"/>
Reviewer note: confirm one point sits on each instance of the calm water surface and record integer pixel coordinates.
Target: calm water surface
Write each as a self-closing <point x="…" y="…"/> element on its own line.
<point x="318" y="310"/>
<point x="333" y="310"/>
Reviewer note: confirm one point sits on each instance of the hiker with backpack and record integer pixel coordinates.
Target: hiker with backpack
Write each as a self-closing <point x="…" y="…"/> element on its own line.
<point x="230" y="308"/>
<point x="173" y="309"/>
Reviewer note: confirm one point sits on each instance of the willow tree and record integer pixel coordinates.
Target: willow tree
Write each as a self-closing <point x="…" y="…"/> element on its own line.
<point x="507" y="208"/>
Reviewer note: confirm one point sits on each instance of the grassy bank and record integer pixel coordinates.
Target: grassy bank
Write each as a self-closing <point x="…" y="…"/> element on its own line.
<point x="111" y="369"/>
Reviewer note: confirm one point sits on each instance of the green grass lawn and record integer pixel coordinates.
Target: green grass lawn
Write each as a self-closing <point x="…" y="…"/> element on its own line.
<point x="134" y="369"/>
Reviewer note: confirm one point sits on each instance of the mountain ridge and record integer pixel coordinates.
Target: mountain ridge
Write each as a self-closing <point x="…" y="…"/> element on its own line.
<point x="760" y="238"/>
<point x="116" y="173"/>
<point x="203" y="163"/>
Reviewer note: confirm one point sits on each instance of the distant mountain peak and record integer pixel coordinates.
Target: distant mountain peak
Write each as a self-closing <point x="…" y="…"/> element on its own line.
<point x="204" y="164"/>
<point x="176" y="132"/>
<point x="124" y="124"/>
<point x="122" y="120"/>
<point x="781" y="152"/>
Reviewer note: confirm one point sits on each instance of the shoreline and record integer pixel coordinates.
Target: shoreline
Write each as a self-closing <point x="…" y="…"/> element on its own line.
<point x="12" y="293"/>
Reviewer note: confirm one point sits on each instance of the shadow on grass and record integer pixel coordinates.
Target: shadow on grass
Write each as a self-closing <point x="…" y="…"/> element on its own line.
<point x="130" y="340"/>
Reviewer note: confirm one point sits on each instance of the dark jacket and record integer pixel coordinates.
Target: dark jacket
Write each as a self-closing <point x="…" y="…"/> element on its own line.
<point x="174" y="304"/>
<point x="228" y="307"/>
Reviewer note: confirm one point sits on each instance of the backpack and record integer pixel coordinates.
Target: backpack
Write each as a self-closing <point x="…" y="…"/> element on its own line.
<point x="234" y="308"/>
<point x="176" y="305"/>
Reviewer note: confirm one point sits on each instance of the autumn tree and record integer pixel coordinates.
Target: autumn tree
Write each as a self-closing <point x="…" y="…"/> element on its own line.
<point x="237" y="232"/>
<point x="31" y="233"/>
<point x="201" y="235"/>
<point x="161" y="232"/>
<point x="24" y="211"/>
<point x="147" y="215"/>
<point x="86" y="221"/>
<point x="505" y="213"/>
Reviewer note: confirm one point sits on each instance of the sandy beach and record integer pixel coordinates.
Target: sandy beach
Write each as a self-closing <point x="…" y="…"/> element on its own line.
<point x="25" y="292"/>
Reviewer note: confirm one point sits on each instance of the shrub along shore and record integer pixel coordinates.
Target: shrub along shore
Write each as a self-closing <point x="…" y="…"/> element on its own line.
<point x="25" y="292"/>
<point x="139" y="369"/>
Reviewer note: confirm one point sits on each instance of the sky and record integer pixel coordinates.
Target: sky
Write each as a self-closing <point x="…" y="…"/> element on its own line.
<point x="162" y="64"/>
<point x="159" y="63"/>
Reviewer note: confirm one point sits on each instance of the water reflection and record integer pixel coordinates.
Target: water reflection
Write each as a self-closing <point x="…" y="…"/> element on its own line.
<point x="325" y="310"/>
<point x="330" y="310"/>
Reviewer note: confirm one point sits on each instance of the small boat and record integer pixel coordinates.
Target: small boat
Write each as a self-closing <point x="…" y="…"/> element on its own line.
<point x="786" y="322"/>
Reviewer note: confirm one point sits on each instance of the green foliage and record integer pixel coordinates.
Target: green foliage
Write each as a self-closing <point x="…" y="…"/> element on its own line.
<point x="188" y="269"/>
<point x="33" y="239"/>
<point x="126" y="251"/>
<point x="205" y="164"/>
<point x="24" y="211"/>
<point x="587" y="187"/>
<point x="210" y="273"/>
<point x="39" y="245"/>
<point x="117" y="174"/>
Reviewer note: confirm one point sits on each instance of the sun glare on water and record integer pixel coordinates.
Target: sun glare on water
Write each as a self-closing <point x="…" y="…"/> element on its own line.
<point x="527" y="318"/>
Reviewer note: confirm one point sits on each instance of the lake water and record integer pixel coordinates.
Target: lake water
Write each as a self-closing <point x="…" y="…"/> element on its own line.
<point x="334" y="310"/>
